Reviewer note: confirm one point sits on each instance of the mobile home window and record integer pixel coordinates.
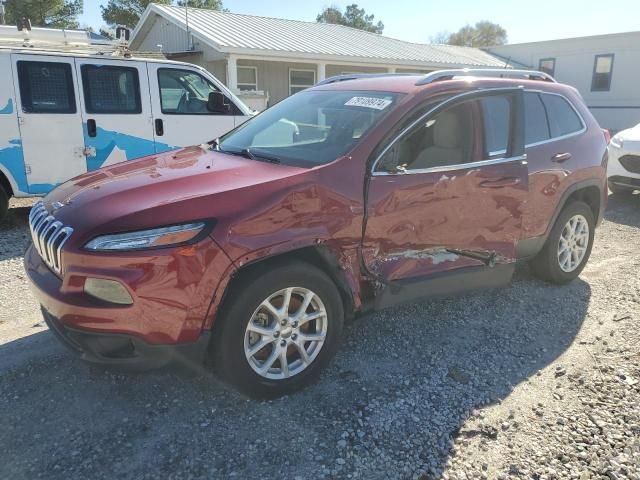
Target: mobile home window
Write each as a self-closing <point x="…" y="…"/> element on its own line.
<point x="111" y="89"/>
<point x="247" y="78"/>
<point x="602" y="71"/>
<point x="46" y="87"/>
<point x="301" y="79"/>
<point x="547" y="65"/>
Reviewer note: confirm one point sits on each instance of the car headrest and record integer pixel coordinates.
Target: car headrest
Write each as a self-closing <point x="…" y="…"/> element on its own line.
<point x="446" y="133"/>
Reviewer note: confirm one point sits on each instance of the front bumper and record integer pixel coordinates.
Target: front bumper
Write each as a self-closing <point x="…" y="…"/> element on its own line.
<point x="126" y="350"/>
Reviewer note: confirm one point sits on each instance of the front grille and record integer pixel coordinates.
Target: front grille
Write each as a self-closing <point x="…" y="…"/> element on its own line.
<point x="48" y="235"/>
<point x="631" y="163"/>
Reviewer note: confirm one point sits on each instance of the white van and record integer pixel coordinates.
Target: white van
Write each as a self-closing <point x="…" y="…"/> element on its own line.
<point x="66" y="113"/>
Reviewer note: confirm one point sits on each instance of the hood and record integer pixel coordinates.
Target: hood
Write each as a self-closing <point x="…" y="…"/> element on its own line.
<point x="631" y="134"/>
<point x="176" y="187"/>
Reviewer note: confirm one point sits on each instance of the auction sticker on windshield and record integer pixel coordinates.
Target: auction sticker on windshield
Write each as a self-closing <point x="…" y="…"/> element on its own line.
<point x="369" y="102"/>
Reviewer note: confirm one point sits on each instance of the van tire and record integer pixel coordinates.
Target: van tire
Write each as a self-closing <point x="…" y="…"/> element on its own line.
<point x="547" y="265"/>
<point x="232" y="337"/>
<point x="4" y="203"/>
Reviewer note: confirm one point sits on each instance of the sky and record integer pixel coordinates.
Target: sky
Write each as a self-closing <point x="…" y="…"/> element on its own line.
<point x="418" y="20"/>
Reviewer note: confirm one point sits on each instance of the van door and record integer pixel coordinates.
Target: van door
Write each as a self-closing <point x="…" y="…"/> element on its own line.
<point x="116" y="111"/>
<point x="179" y="97"/>
<point x="49" y="119"/>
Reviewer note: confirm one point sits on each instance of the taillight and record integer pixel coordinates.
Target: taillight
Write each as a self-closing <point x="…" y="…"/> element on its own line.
<point x="607" y="135"/>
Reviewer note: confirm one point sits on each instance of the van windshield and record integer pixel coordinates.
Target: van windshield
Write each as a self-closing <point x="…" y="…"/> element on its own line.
<point x="309" y="128"/>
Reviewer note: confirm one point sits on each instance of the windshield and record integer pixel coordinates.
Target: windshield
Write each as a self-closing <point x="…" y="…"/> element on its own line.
<point x="310" y="128"/>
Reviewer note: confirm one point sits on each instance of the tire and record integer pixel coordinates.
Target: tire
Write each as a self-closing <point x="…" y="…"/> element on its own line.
<point x="548" y="264"/>
<point x="4" y="203"/>
<point x="232" y="343"/>
<point x="619" y="190"/>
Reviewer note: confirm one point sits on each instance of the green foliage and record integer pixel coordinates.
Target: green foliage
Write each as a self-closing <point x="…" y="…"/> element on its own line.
<point x="207" y="4"/>
<point x="44" y="13"/>
<point x="482" y="34"/>
<point x="352" y="17"/>
<point x="128" y="12"/>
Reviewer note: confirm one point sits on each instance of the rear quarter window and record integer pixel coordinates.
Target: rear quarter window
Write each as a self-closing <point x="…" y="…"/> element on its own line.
<point x="535" y="123"/>
<point x="563" y="119"/>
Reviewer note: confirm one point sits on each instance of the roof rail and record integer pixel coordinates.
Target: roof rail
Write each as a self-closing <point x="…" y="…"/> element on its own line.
<point x="355" y="76"/>
<point x="440" y="75"/>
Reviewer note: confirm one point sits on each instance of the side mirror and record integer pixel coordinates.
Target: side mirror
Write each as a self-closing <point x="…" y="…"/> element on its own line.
<point x="215" y="103"/>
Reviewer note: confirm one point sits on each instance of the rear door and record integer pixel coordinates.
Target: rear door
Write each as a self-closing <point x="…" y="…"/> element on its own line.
<point x="49" y="119"/>
<point x="448" y="193"/>
<point x="179" y="97"/>
<point x="116" y="111"/>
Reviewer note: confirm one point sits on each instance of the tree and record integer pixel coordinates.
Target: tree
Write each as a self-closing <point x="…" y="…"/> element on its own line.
<point x="44" y="13"/>
<point x="482" y="34"/>
<point x="440" y="38"/>
<point x="128" y="12"/>
<point x="352" y="17"/>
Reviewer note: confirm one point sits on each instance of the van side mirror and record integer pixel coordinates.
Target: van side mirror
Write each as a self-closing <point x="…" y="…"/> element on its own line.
<point x="215" y="103"/>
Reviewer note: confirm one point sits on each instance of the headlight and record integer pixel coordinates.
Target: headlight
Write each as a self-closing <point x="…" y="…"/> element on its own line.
<point x="616" y="142"/>
<point x="142" y="239"/>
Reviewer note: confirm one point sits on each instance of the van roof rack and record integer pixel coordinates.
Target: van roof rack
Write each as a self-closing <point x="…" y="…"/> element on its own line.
<point x="440" y="75"/>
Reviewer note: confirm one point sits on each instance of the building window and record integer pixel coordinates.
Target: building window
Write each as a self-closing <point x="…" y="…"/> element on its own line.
<point x="547" y="65"/>
<point x="247" y="78"/>
<point x="602" y="71"/>
<point x="301" y="79"/>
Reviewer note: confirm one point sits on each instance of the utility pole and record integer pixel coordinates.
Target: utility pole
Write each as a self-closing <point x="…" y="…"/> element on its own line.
<point x="186" y="20"/>
<point x="2" y="20"/>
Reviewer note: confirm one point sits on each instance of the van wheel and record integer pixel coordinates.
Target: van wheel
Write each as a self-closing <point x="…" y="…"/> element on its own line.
<point x="568" y="247"/>
<point x="4" y="203"/>
<point x="278" y="329"/>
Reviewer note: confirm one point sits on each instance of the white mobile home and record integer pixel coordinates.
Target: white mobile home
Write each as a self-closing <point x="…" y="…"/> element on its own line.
<point x="266" y="59"/>
<point x="604" y="68"/>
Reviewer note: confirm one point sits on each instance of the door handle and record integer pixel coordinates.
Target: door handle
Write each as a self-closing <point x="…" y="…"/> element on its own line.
<point x="159" y="127"/>
<point x="500" y="182"/>
<point x="561" y="157"/>
<point x="92" y="129"/>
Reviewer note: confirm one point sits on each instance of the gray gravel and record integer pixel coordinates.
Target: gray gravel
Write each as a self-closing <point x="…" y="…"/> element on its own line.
<point x="531" y="381"/>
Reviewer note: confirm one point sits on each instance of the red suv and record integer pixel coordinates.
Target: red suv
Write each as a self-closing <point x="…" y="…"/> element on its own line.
<point x="356" y="194"/>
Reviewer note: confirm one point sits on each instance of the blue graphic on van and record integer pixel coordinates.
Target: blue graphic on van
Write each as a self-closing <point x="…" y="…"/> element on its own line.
<point x="8" y="108"/>
<point x="12" y="161"/>
<point x="105" y="142"/>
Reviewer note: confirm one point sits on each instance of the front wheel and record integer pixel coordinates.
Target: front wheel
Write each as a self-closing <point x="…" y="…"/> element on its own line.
<point x="568" y="246"/>
<point x="278" y="329"/>
<point x="4" y="203"/>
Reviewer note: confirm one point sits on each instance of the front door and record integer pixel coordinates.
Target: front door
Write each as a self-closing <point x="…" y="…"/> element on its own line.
<point x="448" y="193"/>
<point x="49" y="119"/>
<point x="116" y="111"/>
<point x="179" y="97"/>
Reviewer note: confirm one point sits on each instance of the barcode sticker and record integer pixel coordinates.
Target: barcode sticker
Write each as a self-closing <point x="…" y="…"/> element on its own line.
<point x="369" y="102"/>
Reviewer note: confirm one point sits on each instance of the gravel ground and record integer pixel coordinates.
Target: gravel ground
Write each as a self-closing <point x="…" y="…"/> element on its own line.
<point x="531" y="381"/>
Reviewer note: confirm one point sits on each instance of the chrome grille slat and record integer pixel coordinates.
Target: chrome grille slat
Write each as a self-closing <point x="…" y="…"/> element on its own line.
<point x="49" y="236"/>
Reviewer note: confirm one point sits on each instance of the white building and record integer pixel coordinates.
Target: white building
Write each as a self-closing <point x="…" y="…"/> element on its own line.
<point x="604" y="68"/>
<point x="277" y="57"/>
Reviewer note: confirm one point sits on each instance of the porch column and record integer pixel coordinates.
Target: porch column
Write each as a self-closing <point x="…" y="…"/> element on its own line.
<point x="391" y="70"/>
<point x="232" y="73"/>
<point x="321" y="73"/>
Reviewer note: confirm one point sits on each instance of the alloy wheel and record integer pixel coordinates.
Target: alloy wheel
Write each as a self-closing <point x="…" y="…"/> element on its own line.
<point x="573" y="243"/>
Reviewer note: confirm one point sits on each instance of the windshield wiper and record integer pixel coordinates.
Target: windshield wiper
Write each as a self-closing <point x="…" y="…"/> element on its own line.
<point x="246" y="153"/>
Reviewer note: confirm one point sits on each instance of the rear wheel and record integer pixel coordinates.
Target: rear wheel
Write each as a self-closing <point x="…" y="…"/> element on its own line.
<point x="278" y="330"/>
<point x="4" y="203"/>
<point x="568" y="246"/>
<point x="619" y="190"/>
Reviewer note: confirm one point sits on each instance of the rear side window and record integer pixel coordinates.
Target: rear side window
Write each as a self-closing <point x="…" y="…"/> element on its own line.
<point x="111" y="89"/>
<point x="536" y="127"/>
<point x="563" y="119"/>
<point x="496" y="115"/>
<point x="46" y="87"/>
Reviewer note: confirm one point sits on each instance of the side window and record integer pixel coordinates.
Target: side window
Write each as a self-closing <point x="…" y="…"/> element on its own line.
<point x="184" y="92"/>
<point x="602" y="71"/>
<point x="111" y="89"/>
<point x="536" y="127"/>
<point x="46" y="87"/>
<point x="563" y="119"/>
<point x="496" y="111"/>
<point x="444" y="139"/>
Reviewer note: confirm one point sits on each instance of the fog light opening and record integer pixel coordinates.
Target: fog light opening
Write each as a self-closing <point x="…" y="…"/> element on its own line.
<point x="109" y="291"/>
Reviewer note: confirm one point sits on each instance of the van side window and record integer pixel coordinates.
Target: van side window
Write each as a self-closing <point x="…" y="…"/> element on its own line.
<point x="536" y="127"/>
<point x="563" y="119"/>
<point x="184" y="92"/>
<point x="46" y="87"/>
<point x="111" y="89"/>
